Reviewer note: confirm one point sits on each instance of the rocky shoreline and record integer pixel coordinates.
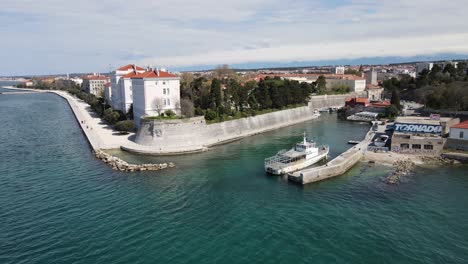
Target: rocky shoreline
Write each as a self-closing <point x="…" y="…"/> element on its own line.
<point x="401" y="168"/>
<point x="121" y="165"/>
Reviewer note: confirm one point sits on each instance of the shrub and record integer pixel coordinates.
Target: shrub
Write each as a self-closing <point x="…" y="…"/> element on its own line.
<point x="210" y="115"/>
<point x="169" y="113"/>
<point x="199" y="111"/>
<point x="111" y="116"/>
<point x="124" y="126"/>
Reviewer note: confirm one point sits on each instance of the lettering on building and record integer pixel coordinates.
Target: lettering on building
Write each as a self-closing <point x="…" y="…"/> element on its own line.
<point x="417" y="128"/>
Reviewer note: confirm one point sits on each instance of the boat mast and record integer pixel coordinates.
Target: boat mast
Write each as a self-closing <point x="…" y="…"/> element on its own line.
<point x="305" y="142"/>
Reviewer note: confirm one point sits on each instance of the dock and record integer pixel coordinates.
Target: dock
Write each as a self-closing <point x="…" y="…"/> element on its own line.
<point x="335" y="167"/>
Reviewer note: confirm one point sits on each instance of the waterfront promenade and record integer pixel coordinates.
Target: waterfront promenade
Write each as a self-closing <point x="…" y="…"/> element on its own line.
<point x="99" y="134"/>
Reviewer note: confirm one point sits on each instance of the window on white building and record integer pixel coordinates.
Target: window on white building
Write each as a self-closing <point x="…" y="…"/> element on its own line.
<point x="461" y="134"/>
<point x="428" y="147"/>
<point x="164" y="83"/>
<point x="168" y="102"/>
<point x="164" y="90"/>
<point x="167" y="90"/>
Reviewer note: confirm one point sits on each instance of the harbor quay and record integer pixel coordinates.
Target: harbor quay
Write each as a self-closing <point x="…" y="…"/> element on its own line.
<point x="337" y="166"/>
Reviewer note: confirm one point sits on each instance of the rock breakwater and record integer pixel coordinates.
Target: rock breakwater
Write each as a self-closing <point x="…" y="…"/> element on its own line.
<point x="121" y="165"/>
<point x="401" y="168"/>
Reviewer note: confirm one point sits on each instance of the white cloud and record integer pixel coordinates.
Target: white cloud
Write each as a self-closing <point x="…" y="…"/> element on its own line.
<point x="88" y="35"/>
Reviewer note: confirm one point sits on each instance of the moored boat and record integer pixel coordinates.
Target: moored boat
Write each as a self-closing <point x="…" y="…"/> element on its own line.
<point x="381" y="140"/>
<point x="304" y="154"/>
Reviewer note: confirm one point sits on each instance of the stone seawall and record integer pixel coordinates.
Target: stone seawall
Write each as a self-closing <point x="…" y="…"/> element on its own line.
<point x="335" y="167"/>
<point x="159" y="137"/>
<point x="193" y="134"/>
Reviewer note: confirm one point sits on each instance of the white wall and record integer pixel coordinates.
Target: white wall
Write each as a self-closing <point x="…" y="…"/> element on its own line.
<point x="149" y="98"/>
<point x="455" y="133"/>
<point x="126" y="95"/>
<point x="108" y="94"/>
<point x="115" y="91"/>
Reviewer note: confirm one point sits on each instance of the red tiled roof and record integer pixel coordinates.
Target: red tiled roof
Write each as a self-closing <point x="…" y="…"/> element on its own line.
<point x="129" y="75"/>
<point x="463" y="125"/>
<point x="130" y="67"/>
<point x="381" y="104"/>
<point x="154" y="74"/>
<point x="361" y="100"/>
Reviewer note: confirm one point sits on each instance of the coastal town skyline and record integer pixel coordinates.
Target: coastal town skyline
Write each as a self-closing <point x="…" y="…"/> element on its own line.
<point x="100" y="36"/>
<point x="303" y="131"/>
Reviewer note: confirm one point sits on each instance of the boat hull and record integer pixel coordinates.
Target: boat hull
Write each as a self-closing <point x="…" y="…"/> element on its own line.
<point x="297" y="166"/>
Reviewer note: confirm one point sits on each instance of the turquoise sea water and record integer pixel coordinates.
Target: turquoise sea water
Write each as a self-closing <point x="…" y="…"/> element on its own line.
<point x="58" y="204"/>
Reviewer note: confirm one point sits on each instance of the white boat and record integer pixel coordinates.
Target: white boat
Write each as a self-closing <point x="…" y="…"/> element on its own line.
<point x="304" y="154"/>
<point x="381" y="140"/>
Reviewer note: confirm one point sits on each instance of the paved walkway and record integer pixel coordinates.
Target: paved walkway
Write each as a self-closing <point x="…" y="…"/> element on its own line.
<point x="100" y="135"/>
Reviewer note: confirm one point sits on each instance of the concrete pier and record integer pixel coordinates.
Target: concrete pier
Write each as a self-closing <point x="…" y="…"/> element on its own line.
<point x="335" y="167"/>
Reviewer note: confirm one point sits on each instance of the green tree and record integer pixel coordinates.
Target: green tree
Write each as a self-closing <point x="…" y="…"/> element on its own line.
<point x="111" y="116"/>
<point x="353" y="72"/>
<point x="395" y="100"/>
<point x="124" y="126"/>
<point x="321" y="84"/>
<point x="210" y="115"/>
<point x="215" y="93"/>
<point x="169" y="113"/>
<point x="391" y="111"/>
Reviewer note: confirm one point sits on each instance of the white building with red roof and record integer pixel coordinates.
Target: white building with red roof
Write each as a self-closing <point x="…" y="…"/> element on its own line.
<point x="459" y="131"/>
<point x="95" y="84"/>
<point x="121" y="87"/>
<point x="154" y="92"/>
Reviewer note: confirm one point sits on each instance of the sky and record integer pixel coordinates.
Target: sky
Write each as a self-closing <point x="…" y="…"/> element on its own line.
<point x="61" y="36"/>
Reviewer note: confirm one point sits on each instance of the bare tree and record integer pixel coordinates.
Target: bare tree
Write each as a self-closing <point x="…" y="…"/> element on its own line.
<point x="186" y="107"/>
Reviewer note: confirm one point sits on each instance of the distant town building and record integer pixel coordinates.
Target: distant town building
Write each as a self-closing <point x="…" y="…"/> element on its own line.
<point x="94" y="84"/>
<point x="371" y="77"/>
<point x="77" y="81"/>
<point x="356" y="101"/>
<point x="352" y="82"/>
<point x="28" y="83"/>
<point x="338" y="70"/>
<point x="374" y="92"/>
<point x="154" y="92"/>
<point x="420" y="66"/>
<point x="121" y="86"/>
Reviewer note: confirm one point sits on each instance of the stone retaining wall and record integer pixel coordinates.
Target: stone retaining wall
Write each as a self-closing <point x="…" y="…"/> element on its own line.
<point x="338" y="166"/>
<point x="186" y="135"/>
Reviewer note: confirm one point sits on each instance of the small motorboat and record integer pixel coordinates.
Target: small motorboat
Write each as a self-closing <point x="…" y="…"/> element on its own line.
<point x="381" y="140"/>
